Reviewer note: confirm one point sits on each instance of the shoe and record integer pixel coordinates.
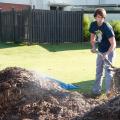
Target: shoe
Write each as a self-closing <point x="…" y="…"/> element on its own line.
<point x="96" y="95"/>
<point x="110" y="94"/>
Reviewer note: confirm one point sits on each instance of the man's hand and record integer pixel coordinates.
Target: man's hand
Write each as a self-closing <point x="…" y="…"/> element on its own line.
<point x="105" y="56"/>
<point x="93" y="50"/>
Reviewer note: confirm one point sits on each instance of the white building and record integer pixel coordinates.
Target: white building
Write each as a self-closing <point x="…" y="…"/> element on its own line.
<point x="70" y="5"/>
<point x="63" y="4"/>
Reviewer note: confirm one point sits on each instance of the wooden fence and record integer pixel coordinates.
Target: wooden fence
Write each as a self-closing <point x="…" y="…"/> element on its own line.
<point x="41" y="26"/>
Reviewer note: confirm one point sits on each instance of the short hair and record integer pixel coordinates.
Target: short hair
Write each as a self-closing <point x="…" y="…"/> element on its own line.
<point x="101" y="12"/>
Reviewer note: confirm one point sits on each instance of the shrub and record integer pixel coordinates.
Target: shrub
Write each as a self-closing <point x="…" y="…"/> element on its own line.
<point x="86" y="24"/>
<point x="116" y="27"/>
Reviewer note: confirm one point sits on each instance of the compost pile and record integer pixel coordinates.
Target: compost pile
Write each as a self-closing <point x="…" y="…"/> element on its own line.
<point x="27" y="95"/>
<point x="116" y="80"/>
<point x="108" y="111"/>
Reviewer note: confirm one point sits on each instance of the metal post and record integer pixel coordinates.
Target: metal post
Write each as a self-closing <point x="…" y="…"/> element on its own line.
<point x="82" y="17"/>
<point x="14" y="31"/>
<point x="0" y="25"/>
<point x="30" y="27"/>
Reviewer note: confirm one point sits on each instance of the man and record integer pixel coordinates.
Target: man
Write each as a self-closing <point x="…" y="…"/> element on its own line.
<point x="102" y="34"/>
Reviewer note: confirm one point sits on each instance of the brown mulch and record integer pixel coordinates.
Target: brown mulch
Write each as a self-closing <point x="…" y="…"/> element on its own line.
<point x="107" y="111"/>
<point x="25" y="95"/>
<point x="110" y="110"/>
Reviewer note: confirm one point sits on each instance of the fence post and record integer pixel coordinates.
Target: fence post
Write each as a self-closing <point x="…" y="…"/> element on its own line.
<point x="57" y="26"/>
<point x="0" y="25"/>
<point x="30" y="26"/>
<point x="14" y="31"/>
<point x="82" y="19"/>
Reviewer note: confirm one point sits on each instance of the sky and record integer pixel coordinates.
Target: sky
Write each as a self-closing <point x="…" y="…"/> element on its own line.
<point x="28" y="1"/>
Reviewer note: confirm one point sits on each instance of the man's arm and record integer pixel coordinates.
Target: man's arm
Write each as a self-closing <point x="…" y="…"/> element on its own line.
<point x="112" y="47"/>
<point x="112" y="43"/>
<point x="93" y="41"/>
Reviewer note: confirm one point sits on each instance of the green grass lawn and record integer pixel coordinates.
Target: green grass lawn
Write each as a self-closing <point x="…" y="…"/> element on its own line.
<point x="70" y="63"/>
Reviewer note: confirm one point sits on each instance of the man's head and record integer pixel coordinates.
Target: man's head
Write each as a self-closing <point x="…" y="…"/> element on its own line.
<point x="100" y="15"/>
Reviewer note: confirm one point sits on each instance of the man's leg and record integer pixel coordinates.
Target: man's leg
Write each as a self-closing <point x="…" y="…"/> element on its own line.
<point x="99" y="72"/>
<point x="109" y="73"/>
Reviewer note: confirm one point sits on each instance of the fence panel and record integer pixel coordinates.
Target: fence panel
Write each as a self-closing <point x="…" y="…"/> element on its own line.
<point x="41" y="26"/>
<point x="56" y="26"/>
<point x="69" y="26"/>
<point x="7" y="26"/>
<point x="13" y="26"/>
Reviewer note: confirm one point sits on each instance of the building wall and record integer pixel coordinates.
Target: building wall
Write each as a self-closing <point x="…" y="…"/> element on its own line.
<point x="87" y="2"/>
<point x="39" y="4"/>
<point x="92" y="2"/>
<point x="16" y="1"/>
<point x="45" y="4"/>
<point x="9" y="6"/>
<point x="109" y="1"/>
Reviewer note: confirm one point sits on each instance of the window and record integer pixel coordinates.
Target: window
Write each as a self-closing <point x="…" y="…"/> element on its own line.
<point x="56" y="8"/>
<point x="53" y="8"/>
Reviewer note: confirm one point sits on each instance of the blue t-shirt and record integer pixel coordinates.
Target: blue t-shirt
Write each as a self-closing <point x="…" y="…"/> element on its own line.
<point x="103" y="33"/>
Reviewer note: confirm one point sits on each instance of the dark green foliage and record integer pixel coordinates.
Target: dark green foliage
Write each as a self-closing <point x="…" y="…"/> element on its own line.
<point x="86" y="24"/>
<point x="116" y="27"/>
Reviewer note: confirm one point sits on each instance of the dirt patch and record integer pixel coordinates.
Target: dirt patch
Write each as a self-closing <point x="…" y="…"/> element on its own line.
<point x="108" y="111"/>
<point x="116" y="80"/>
<point x="27" y="95"/>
